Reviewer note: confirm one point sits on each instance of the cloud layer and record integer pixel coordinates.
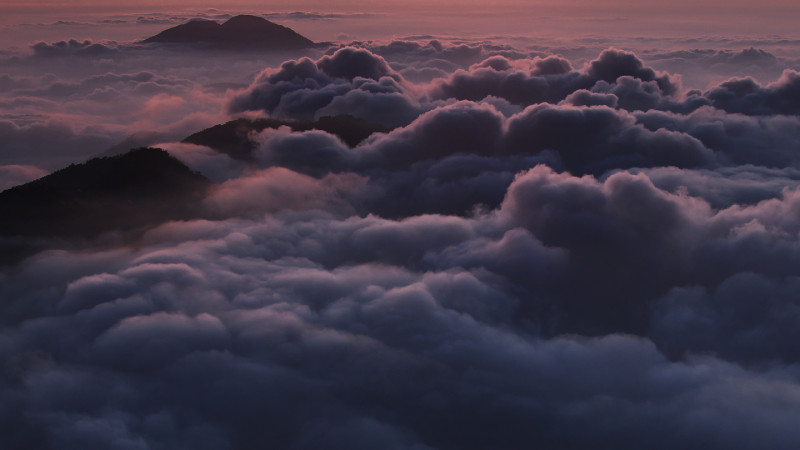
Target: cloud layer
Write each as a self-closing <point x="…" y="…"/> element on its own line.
<point x="539" y="254"/>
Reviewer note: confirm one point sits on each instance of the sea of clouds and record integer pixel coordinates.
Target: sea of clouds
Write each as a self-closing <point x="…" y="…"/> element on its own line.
<point x="554" y="248"/>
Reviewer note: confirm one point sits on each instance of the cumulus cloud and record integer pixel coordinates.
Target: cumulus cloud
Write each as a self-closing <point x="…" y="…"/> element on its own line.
<point x="350" y="79"/>
<point x="72" y="48"/>
<point x="536" y="247"/>
<point x="400" y="330"/>
<point x="745" y="95"/>
<point x="761" y="141"/>
<point x="552" y="79"/>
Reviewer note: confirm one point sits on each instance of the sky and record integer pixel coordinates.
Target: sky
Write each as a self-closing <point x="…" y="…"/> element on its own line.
<point x="569" y="225"/>
<point x="521" y="17"/>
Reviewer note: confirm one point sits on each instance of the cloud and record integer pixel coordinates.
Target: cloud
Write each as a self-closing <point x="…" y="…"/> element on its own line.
<point x="28" y="144"/>
<point x="761" y="141"/>
<point x="9" y="83"/>
<point x="349" y="78"/>
<point x="141" y="83"/>
<point x="72" y="48"/>
<point x="552" y="79"/>
<point x="214" y="165"/>
<point x="350" y="63"/>
<point x="727" y="186"/>
<point x="461" y="156"/>
<point x="747" y="316"/>
<point x="303" y="15"/>
<point x="278" y="189"/>
<point x="746" y="96"/>
<point x="701" y="67"/>
<point x="596" y="139"/>
<point x="243" y="311"/>
<point x="540" y="253"/>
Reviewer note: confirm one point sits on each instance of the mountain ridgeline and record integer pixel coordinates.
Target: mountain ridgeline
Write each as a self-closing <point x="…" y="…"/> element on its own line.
<point x="240" y="32"/>
<point x="130" y="192"/>
<point x="124" y="193"/>
<point x="234" y="138"/>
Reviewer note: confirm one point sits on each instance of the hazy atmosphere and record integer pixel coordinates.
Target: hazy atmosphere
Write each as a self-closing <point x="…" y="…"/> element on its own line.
<point x="401" y="225"/>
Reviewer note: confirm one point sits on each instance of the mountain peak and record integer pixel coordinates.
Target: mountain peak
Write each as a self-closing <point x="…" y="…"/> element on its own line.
<point x="247" y="20"/>
<point x="238" y="32"/>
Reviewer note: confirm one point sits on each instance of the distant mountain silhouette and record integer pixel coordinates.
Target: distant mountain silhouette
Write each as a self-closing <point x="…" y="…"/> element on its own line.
<point x="233" y="138"/>
<point x="145" y="186"/>
<point x="239" y="32"/>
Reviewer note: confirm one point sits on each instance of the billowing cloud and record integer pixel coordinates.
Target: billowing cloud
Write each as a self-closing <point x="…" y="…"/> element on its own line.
<point x="552" y="79"/>
<point x="279" y="189"/>
<point x="397" y="331"/>
<point x="72" y="49"/>
<point x="351" y="79"/>
<point x="745" y="95"/>
<point x="700" y="67"/>
<point x="535" y="251"/>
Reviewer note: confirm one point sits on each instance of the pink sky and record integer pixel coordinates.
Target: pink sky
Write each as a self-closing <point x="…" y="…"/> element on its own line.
<point x="531" y="18"/>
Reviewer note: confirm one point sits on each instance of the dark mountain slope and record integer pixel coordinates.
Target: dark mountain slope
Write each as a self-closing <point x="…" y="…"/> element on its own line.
<point x="240" y="32"/>
<point x="143" y="187"/>
<point x="233" y="138"/>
